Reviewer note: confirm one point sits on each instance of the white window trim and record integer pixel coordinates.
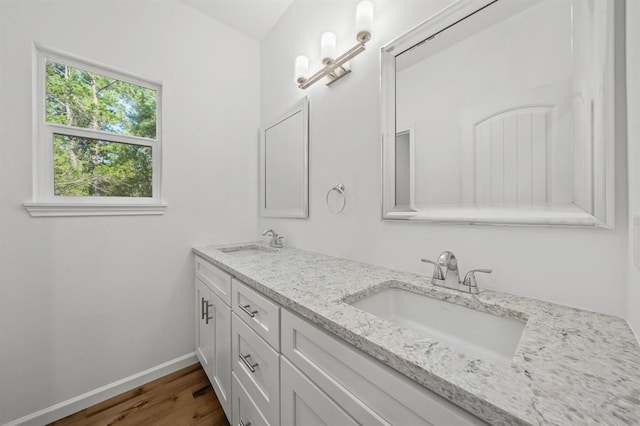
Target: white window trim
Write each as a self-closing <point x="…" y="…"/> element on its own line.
<point x="44" y="202"/>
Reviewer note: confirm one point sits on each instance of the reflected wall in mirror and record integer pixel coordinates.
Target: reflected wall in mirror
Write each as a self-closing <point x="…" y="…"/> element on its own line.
<point x="284" y="148"/>
<point x="502" y="112"/>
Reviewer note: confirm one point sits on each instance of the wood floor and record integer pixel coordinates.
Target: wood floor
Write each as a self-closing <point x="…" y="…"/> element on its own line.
<point x="182" y="398"/>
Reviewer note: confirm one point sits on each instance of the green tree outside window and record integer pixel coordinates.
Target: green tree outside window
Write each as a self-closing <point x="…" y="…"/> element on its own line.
<point x="97" y="167"/>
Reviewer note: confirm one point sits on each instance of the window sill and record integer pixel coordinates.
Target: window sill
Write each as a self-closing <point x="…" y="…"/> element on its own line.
<point x="85" y="209"/>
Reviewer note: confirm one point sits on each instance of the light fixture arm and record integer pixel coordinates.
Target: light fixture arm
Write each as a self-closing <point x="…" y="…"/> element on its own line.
<point x="336" y="69"/>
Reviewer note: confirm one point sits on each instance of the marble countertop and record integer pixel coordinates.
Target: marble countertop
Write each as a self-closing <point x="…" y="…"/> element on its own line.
<point x="570" y="367"/>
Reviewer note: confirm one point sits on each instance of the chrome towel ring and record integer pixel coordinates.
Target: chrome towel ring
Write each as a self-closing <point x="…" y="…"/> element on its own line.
<point x="339" y="188"/>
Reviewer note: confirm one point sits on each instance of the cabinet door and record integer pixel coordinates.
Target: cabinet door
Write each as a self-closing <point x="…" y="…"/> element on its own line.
<point x="304" y="404"/>
<point x="220" y="365"/>
<point x="203" y="331"/>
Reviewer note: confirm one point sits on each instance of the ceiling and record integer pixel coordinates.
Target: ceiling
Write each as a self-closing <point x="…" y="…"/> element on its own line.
<point x="254" y="18"/>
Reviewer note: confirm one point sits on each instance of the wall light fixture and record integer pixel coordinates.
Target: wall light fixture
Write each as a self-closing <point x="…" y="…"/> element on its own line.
<point x="336" y="67"/>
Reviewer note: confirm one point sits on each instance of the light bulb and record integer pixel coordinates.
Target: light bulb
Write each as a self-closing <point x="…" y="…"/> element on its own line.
<point x="364" y="21"/>
<point x="301" y="69"/>
<point x="328" y="47"/>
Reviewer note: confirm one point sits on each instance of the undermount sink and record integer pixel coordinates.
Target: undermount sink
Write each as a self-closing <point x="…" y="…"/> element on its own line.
<point x="473" y="333"/>
<point x="244" y="251"/>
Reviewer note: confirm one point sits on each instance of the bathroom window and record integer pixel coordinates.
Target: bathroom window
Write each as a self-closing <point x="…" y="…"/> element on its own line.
<point x="98" y="140"/>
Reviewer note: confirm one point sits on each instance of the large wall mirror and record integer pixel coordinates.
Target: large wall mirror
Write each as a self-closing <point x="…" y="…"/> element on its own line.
<point x="284" y="159"/>
<point x="501" y="112"/>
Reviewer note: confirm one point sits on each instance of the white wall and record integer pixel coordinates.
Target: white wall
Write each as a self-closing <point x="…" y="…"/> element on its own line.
<point x="633" y="112"/>
<point x="579" y="267"/>
<point x="87" y="301"/>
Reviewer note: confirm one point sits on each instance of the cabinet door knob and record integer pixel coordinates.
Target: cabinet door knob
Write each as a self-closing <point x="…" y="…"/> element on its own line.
<point x="251" y="367"/>
<point x="248" y="311"/>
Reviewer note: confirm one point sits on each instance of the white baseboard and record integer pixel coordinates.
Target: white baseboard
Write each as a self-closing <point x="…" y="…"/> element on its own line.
<point x="80" y="402"/>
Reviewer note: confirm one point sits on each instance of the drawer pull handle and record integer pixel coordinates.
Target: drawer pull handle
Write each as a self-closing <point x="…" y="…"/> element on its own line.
<point x="202" y="308"/>
<point x="245" y="308"/>
<point x="244" y="424"/>
<point x="208" y="318"/>
<point x="251" y="367"/>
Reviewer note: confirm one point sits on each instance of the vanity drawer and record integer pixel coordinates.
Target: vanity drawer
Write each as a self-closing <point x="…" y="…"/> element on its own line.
<point x="257" y="367"/>
<point x="261" y="314"/>
<point x="245" y="411"/>
<point x="336" y="366"/>
<point x="215" y="278"/>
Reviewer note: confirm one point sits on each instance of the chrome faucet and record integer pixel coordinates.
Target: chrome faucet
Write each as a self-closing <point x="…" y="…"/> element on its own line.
<point x="276" y="240"/>
<point x="446" y="274"/>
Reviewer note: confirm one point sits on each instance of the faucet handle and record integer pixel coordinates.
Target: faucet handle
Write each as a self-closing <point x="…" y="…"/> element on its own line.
<point x="268" y="232"/>
<point x="437" y="271"/>
<point x="470" y="278"/>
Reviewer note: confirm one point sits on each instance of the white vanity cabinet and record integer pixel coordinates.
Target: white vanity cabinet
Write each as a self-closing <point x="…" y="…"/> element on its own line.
<point x="271" y="367"/>
<point x="213" y="328"/>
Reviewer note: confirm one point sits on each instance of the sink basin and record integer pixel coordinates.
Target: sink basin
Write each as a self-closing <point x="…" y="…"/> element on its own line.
<point x="473" y="333"/>
<point x="244" y="251"/>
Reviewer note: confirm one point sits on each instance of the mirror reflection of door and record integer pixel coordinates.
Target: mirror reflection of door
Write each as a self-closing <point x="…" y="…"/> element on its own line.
<point x="488" y="69"/>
